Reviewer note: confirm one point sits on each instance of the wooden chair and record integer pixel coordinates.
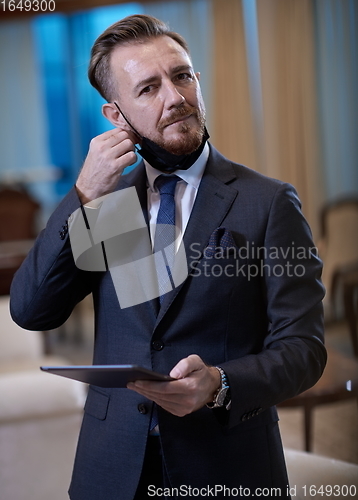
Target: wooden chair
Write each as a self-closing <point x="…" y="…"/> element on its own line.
<point x="18" y="213"/>
<point x="338" y="248"/>
<point x="339" y="382"/>
<point x="339" y="251"/>
<point x="345" y="282"/>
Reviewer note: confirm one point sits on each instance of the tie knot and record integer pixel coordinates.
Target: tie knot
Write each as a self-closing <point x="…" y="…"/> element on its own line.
<point x="166" y="184"/>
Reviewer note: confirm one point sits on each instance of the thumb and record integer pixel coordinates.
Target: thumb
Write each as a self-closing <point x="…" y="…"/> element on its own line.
<point x="186" y="366"/>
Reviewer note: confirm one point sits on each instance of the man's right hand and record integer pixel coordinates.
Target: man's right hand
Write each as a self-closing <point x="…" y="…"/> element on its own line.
<point x="109" y="154"/>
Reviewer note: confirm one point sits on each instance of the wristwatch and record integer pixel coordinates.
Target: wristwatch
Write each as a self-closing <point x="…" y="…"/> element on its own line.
<point x="222" y="395"/>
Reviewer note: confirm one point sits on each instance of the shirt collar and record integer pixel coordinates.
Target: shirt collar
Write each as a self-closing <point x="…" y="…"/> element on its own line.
<point x="191" y="176"/>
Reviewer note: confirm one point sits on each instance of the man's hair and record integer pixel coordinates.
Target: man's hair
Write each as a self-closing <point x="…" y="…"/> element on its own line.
<point x="132" y="29"/>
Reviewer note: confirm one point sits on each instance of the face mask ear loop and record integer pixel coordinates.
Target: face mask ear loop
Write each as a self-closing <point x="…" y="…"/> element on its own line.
<point x="131" y="126"/>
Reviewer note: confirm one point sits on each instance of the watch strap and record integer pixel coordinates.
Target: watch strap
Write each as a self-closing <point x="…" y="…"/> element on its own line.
<point x="222" y="395"/>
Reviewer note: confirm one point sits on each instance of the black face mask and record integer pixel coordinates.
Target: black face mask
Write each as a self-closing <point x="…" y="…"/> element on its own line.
<point x="161" y="159"/>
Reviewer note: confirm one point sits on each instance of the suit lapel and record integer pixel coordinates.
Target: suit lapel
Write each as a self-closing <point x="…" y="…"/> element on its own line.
<point x="214" y="199"/>
<point x="138" y="179"/>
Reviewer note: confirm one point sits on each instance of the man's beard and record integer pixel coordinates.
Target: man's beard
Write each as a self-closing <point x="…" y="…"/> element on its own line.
<point x="190" y="137"/>
<point x="169" y="156"/>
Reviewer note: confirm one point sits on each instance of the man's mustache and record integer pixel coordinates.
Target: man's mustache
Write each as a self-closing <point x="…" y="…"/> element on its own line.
<point x="183" y="111"/>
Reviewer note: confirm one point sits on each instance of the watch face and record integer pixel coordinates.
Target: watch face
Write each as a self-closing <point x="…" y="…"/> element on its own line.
<point x="221" y="396"/>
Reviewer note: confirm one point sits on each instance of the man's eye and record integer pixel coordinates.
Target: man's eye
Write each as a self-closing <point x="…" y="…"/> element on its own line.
<point x="184" y="76"/>
<point x="146" y="90"/>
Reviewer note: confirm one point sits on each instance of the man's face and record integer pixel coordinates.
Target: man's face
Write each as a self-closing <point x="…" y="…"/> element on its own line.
<point x="159" y="93"/>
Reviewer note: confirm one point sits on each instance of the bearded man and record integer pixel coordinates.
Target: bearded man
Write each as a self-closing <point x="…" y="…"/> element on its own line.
<point x="239" y="334"/>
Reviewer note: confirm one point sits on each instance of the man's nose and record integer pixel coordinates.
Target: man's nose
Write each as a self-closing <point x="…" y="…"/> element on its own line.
<point x="173" y="97"/>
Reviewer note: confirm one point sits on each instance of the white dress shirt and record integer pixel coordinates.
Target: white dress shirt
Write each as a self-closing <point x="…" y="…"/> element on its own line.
<point x="185" y="193"/>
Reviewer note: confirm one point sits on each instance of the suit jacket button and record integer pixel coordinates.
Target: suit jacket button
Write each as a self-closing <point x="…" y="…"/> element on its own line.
<point x="142" y="409"/>
<point x="157" y="345"/>
<point x="244" y="417"/>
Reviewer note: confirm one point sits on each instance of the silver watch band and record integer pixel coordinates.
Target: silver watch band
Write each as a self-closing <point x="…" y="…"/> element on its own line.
<point x="221" y="397"/>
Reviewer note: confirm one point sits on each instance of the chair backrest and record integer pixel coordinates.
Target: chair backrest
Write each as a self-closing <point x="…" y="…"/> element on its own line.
<point x="16" y="344"/>
<point x="340" y="237"/>
<point x="17" y="214"/>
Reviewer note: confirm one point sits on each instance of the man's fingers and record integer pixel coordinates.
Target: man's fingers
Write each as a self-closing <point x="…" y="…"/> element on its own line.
<point x="129" y="158"/>
<point x="172" y="399"/>
<point x="155" y="388"/>
<point x="106" y="142"/>
<point x="119" y="134"/>
<point x="115" y="132"/>
<point x="186" y="366"/>
<point x="120" y="149"/>
<point x="178" y="391"/>
<point x="194" y="386"/>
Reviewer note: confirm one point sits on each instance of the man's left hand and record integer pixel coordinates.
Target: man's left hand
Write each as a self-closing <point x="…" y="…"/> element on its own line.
<point x="195" y="386"/>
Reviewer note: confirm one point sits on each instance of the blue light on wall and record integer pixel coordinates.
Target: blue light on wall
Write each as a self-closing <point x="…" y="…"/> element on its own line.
<point x="73" y="107"/>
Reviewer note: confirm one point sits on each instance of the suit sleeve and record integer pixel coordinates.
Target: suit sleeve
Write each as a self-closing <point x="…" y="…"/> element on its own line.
<point x="48" y="284"/>
<point x="293" y="355"/>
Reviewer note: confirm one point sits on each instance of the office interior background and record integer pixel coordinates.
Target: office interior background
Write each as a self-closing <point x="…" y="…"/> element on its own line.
<point x="279" y="79"/>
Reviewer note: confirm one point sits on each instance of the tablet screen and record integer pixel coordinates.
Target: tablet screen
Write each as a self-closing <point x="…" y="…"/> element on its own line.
<point x="106" y="375"/>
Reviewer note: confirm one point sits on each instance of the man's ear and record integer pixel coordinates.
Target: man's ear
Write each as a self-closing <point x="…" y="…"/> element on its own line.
<point x="110" y="111"/>
<point x="197" y="74"/>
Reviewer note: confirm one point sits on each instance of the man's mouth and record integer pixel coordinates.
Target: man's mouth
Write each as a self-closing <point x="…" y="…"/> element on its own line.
<point x="178" y="120"/>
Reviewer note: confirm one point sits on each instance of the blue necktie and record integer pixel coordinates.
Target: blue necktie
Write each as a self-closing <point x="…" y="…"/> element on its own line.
<point x="164" y="239"/>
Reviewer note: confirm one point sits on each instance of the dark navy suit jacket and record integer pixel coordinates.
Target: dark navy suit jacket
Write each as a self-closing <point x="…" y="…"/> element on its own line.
<point x="263" y="327"/>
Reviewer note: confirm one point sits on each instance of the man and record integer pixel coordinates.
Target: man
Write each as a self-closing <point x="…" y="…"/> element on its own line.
<point x="243" y="331"/>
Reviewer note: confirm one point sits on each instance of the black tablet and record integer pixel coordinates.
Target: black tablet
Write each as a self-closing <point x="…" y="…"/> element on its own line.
<point x="106" y="375"/>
